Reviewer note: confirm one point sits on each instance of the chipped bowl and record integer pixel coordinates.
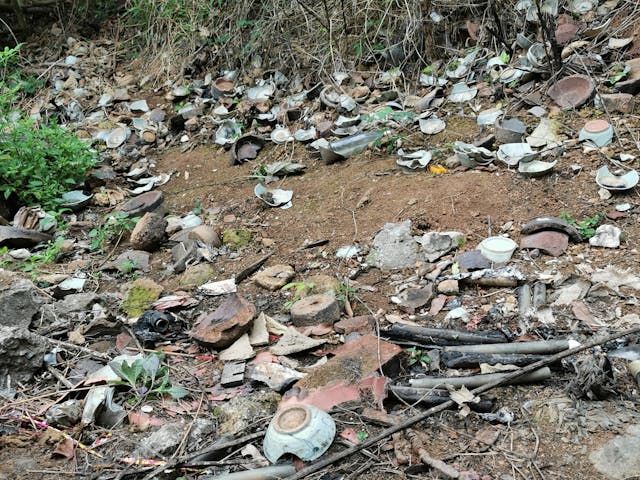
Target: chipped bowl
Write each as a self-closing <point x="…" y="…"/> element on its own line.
<point x="302" y="430"/>
<point x="607" y="180"/>
<point x="497" y="249"/>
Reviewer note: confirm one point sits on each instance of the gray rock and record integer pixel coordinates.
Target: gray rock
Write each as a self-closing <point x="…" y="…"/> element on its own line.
<point x="394" y="247"/>
<point x="148" y="232"/>
<point x="75" y="303"/>
<point x="294" y="342"/>
<point x="19" y="299"/>
<point x="619" y="458"/>
<point x="607" y="236"/>
<point x="200" y="430"/>
<point x="436" y="244"/>
<point x="164" y="440"/>
<point x="21" y="354"/>
<point x="239" y="413"/>
<point x="472" y="260"/>
<point x="616" y="102"/>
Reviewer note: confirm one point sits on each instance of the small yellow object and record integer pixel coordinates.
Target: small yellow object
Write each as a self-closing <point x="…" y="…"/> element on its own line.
<point x="437" y="169"/>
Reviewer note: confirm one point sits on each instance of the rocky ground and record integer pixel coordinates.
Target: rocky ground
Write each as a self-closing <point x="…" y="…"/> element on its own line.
<point x="183" y="311"/>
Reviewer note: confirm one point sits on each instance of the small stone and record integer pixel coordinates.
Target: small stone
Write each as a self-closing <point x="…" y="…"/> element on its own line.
<point x="164" y="440"/>
<point x="604" y="194"/>
<point x="239" y="413"/>
<point x="274" y="277"/>
<point x="223" y="326"/>
<point x="394" y="247"/>
<point x="139" y="296"/>
<point x="321" y="284"/>
<point x="148" y="232"/>
<point x="21" y="354"/>
<point x="259" y="335"/>
<point x="607" y="236"/>
<point x="436" y="244"/>
<point x="616" y="102"/>
<point x="448" y="287"/>
<point x="315" y="310"/>
<point x="196" y="275"/>
<point x="233" y="374"/>
<point x="75" y="303"/>
<point x="206" y="234"/>
<point x="130" y="260"/>
<point x="472" y="260"/>
<point x="19" y="298"/>
<point x="548" y="241"/>
<point x="294" y="342"/>
<point x="362" y="324"/>
<point x="240" y="350"/>
<point x="412" y="299"/>
<point x="277" y="377"/>
<point x="618" y="458"/>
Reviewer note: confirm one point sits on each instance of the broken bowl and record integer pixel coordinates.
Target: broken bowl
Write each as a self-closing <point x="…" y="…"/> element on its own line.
<point x="535" y="168"/>
<point x="302" y="430"/>
<point x="572" y="91"/>
<point x="599" y="132"/>
<point x="497" y="249"/>
<point x="609" y="181"/>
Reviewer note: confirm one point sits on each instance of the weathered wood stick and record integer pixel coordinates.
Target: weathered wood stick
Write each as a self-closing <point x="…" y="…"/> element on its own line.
<point x="475" y="381"/>
<point x="524" y="348"/>
<point x="452" y="359"/>
<point x="442" y="336"/>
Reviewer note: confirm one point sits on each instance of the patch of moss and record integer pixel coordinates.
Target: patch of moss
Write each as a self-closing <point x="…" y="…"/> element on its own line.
<point x="236" y="238"/>
<point x="139" y="297"/>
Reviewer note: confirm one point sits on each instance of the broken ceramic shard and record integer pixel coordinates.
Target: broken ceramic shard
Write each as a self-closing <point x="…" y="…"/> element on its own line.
<point x="514" y="153"/>
<point x="431" y="125"/>
<point x="536" y="168"/>
<point x="461" y="92"/>
<point x="413" y="161"/>
<point x="598" y="132"/>
<point x="572" y="91"/>
<point x="302" y="430"/>
<point x="472" y="156"/>
<point x="246" y="148"/>
<point x="610" y="181"/>
<point x="281" y="135"/>
<point x="274" y="197"/>
<point x="227" y="133"/>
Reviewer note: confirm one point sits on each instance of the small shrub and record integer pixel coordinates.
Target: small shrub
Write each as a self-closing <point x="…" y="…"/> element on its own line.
<point x="38" y="162"/>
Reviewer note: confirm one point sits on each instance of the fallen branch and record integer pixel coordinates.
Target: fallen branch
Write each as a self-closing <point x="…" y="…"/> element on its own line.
<point x="427" y="413"/>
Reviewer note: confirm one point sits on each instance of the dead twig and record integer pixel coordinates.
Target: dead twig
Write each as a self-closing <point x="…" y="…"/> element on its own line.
<point x="439" y="408"/>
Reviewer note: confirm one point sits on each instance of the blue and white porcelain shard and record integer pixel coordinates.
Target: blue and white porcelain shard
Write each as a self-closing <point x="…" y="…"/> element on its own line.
<point x="301" y="430"/>
<point x="609" y="181"/>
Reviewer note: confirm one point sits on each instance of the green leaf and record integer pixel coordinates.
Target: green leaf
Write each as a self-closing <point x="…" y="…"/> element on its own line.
<point x="177" y="392"/>
<point x="151" y="364"/>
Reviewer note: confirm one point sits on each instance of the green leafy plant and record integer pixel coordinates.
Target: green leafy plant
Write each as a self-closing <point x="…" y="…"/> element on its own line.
<point x="429" y="69"/>
<point x="147" y="376"/>
<point x="416" y="355"/>
<point x="38" y="161"/>
<point x="298" y="289"/>
<point x="344" y="293"/>
<point x="114" y="226"/>
<point x="505" y="57"/>
<point x="587" y="226"/>
<point x="616" y="73"/>
<point x="48" y="255"/>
